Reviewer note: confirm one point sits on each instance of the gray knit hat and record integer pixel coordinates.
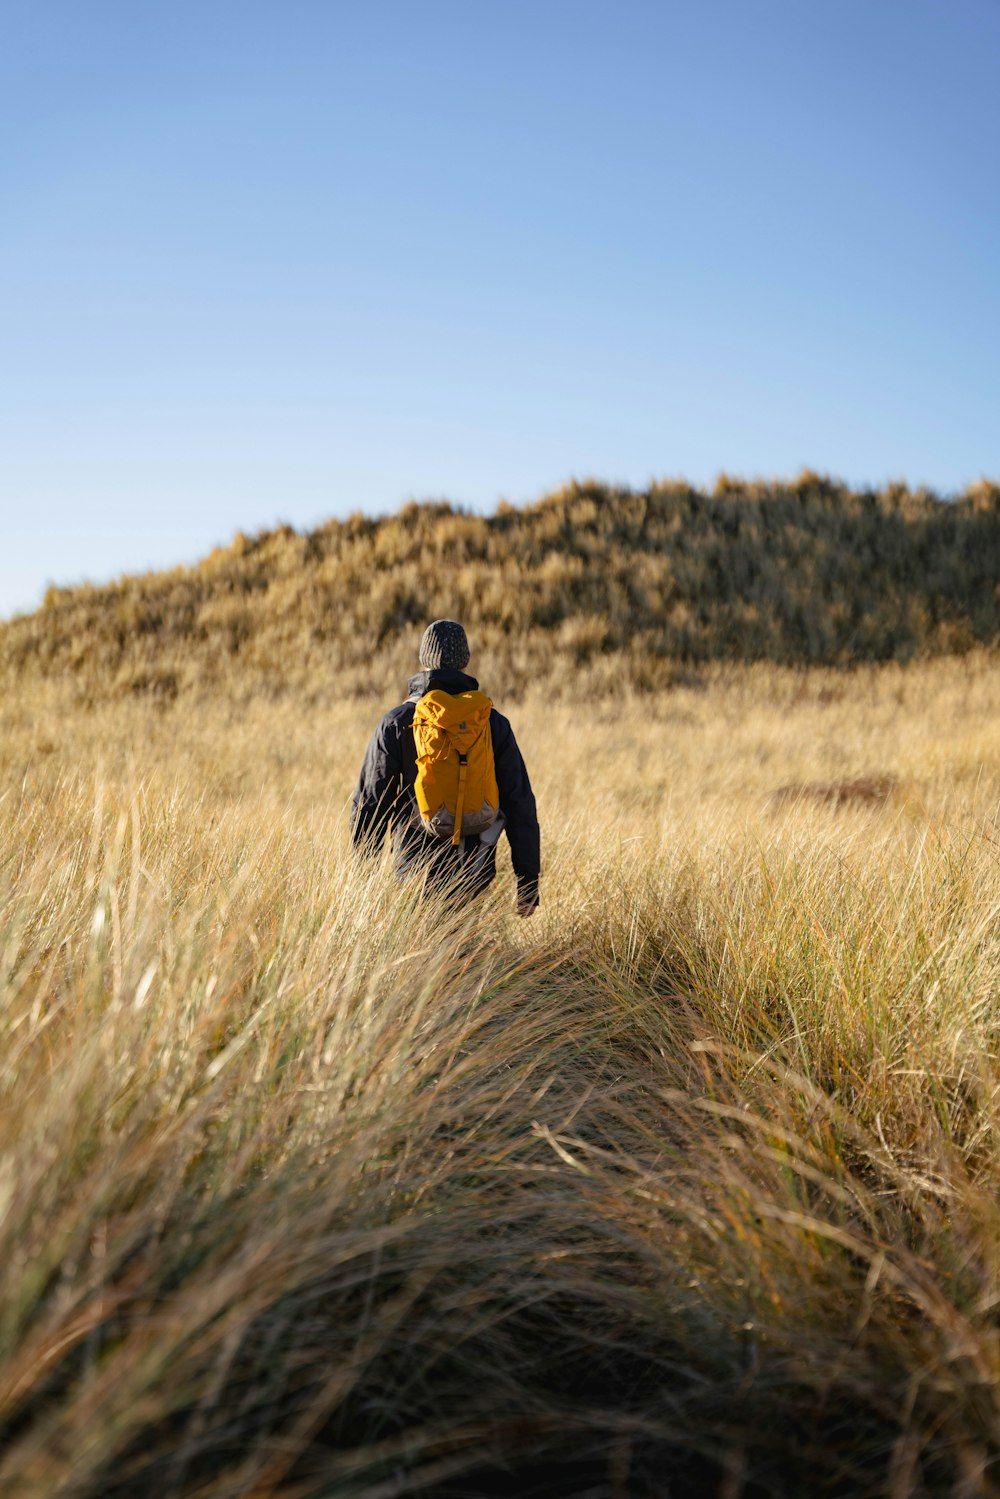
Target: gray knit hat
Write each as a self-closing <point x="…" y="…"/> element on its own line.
<point x="445" y="643"/>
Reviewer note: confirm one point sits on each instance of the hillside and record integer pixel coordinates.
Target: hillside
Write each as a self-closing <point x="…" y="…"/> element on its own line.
<point x="611" y="585"/>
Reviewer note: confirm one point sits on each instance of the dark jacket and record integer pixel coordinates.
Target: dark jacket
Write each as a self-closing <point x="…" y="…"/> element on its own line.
<point x="384" y="800"/>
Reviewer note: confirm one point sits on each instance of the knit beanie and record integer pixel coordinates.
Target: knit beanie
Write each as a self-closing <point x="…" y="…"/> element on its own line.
<point x="444" y="644"/>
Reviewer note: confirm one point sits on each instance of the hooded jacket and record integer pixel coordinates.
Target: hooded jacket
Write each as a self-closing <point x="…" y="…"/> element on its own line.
<point x="384" y="800"/>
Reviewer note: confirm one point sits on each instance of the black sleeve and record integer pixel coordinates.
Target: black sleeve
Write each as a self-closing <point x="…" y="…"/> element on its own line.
<point x="517" y="803"/>
<point x="379" y="786"/>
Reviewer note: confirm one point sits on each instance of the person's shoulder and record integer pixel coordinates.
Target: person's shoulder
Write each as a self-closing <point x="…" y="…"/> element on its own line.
<point x="500" y="727"/>
<point x="397" y="718"/>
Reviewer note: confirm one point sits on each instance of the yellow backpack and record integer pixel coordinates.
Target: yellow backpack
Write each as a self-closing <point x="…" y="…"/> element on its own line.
<point x="456" y="785"/>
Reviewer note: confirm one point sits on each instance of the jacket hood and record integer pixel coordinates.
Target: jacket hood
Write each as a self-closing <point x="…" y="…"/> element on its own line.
<point x="444" y="678"/>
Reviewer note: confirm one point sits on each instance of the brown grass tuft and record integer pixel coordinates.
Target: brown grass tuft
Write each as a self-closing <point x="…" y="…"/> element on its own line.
<point x="863" y="791"/>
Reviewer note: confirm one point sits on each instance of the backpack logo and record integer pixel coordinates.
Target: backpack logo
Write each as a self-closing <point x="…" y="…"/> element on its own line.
<point x="456" y="785"/>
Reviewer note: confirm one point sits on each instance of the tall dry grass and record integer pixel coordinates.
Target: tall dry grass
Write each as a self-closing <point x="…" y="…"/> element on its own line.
<point x="309" y="1186"/>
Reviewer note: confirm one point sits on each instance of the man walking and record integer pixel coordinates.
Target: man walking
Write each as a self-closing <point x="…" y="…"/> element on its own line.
<point x="444" y="774"/>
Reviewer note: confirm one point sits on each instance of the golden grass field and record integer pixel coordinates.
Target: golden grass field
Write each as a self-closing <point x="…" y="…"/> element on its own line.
<point x="687" y="1185"/>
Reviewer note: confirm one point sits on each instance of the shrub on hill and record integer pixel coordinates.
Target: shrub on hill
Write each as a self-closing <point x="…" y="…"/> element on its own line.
<point x="621" y="587"/>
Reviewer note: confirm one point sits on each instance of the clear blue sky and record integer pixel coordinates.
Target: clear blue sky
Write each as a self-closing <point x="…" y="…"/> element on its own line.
<point x="289" y="260"/>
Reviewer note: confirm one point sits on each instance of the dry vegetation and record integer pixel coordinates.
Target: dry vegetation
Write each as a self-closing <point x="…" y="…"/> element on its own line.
<point x="609" y="587"/>
<point x="688" y="1185"/>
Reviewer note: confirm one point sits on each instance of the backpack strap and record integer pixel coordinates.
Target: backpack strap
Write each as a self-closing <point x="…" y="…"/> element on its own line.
<point x="463" y="770"/>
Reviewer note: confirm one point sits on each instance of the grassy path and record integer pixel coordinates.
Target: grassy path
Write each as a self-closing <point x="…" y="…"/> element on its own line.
<point x="308" y="1187"/>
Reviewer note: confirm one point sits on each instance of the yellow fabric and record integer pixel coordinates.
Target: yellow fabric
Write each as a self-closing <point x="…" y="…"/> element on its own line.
<point x="455" y="800"/>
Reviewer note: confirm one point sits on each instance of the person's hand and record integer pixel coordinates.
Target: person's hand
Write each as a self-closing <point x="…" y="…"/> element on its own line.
<point x="527" y="898"/>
